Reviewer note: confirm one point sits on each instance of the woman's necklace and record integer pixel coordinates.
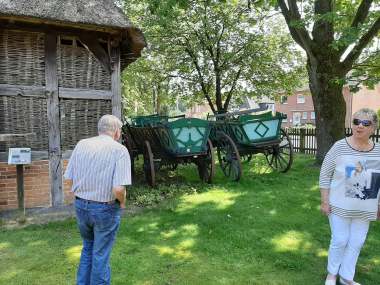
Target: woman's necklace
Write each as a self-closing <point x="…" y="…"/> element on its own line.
<point x="361" y="146"/>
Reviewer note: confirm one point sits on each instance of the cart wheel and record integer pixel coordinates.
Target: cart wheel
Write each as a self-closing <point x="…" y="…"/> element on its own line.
<point x="206" y="165"/>
<point x="280" y="157"/>
<point x="132" y="156"/>
<point x="229" y="158"/>
<point x="133" y="172"/>
<point x="149" y="171"/>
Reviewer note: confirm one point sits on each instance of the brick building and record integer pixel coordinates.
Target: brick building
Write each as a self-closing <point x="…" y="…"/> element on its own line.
<point x="300" y="109"/>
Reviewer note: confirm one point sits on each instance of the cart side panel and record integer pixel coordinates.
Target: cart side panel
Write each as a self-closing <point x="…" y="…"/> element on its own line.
<point x="258" y="131"/>
<point x="260" y="128"/>
<point x="188" y="136"/>
<point x="149" y="120"/>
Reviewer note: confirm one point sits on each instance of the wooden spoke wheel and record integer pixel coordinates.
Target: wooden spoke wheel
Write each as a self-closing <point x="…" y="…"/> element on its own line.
<point x="229" y="158"/>
<point x="133" y="171"/>
<point x="133" y="152"/>
<point x="132" y="156"/>
<point x="206" y="164"/>
<point x="150" y="174"/>
<point x="280" y="157"/>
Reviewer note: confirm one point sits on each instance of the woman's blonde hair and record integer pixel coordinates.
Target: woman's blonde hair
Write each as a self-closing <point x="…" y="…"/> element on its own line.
<point x="369" y="113"/>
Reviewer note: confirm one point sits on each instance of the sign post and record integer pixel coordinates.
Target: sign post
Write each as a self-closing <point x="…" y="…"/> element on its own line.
<point x="19" y="157"/>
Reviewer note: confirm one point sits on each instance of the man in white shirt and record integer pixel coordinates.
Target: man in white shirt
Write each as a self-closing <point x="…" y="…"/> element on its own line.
<point x="99" y="169"/>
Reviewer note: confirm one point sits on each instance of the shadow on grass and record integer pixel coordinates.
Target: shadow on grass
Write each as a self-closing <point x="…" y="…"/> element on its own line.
<point x="266" y="229"/>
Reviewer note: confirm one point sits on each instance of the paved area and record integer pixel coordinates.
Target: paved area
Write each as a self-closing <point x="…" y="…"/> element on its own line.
<point x="18" y="219"/>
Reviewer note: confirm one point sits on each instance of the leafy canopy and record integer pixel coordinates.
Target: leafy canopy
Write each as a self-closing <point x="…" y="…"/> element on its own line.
<point x="220" y="51"/>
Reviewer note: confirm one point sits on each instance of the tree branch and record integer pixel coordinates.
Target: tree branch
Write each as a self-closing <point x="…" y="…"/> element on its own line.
<point x="323" y="29"/>
<point x="361" y="15"/>
<point x="203" y="85"/>
<point x="299" y="34"/>
<point x="229" y="96"/>
<point x="362" y="43"/>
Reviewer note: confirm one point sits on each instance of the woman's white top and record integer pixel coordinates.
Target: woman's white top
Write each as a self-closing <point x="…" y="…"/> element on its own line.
<point x="353" y="178"/>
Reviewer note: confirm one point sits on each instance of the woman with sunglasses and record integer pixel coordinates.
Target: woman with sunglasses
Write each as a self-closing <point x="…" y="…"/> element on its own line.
<point x="349" y="185"/>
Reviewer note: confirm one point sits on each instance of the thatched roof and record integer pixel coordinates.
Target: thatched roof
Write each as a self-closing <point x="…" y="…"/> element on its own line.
<point x="89" y="14"/>
<point x="93" y="12"/>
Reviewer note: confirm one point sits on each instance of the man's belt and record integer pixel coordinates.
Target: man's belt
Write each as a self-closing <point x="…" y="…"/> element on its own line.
<point x="96" y="202"/>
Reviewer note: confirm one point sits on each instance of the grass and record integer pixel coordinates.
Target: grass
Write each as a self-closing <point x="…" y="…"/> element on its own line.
<point x="266" y="229"/>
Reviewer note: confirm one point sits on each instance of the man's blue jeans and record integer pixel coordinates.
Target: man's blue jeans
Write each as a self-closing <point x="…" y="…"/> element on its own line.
<point x="98" y="225"/>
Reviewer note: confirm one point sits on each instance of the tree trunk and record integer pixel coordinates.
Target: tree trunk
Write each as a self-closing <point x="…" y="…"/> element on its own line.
<point x="329" y="104"/>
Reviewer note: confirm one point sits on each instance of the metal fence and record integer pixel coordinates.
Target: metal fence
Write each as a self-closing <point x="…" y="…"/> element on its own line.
<point x="305" y="141"/>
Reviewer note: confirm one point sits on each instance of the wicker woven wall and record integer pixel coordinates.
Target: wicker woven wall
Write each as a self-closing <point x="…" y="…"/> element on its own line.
<point x="21" y="115"/>
<point x="78" y="68"/>
<point x="22" y="58"/>
<point x="79" y="119"/>
<point x="22" y="63"/>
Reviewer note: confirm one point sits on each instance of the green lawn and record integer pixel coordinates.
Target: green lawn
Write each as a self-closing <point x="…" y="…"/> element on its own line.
<point x="267" y="229"/>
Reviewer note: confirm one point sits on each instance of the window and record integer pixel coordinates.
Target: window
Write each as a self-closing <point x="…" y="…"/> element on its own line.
<point x="296" y="118"/>
<point x="300" y="99"/>
<point x="312" y="115"/>
<point x="304" y="115"/>
<point x="284" y="100"/>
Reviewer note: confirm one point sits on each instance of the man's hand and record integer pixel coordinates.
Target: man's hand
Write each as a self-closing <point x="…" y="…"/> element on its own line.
<point x="120" y="195"/>
<point x="122" y="204"/>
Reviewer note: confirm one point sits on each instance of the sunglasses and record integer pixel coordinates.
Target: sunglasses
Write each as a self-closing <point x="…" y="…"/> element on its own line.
<point x="365" y="123"/>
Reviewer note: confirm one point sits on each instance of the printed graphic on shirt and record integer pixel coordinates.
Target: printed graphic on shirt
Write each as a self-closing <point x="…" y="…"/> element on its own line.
<point x="362" y="180"/>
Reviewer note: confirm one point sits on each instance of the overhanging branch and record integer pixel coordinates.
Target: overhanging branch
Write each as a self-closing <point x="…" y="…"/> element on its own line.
<point x="203" y="85"/>
<point x="362" y="43"/>
<point x="299" y="34"/>
<point x="229" y="96"/>
<point x="361" y="15"/>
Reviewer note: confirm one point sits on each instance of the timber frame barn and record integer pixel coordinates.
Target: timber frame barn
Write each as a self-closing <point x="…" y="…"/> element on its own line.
<point x="60" y="65"/>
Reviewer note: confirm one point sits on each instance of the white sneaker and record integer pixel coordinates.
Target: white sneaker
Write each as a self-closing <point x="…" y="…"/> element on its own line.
<point x="344" y="282"/>
<point x="330" y="282"/>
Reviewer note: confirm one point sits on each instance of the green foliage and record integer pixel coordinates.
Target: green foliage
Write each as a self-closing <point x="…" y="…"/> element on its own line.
<point x="349" y="25"/>
<point x="215" y="50"/>
<point x="143" y="196"/>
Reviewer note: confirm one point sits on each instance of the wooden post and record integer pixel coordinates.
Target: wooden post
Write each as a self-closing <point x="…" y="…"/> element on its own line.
<point x="20" y="186"/>
<point x="55" y="163"/>
<point x="115" y="82"/>
<point x="302" y="140"/>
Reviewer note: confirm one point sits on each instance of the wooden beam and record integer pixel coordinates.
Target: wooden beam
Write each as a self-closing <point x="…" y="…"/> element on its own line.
<point x="40" y="92"/>
<point x="37" y="155"/>
<point x="21" y="90"/>
<point x="20" y="186"/>
<point x="71" y="93"/>
<point x="9" y="137"/>
<point x="46" y="26"/>
<point x="55" y="163"/>
<point x="93" y="46"/>
<point x="115" y="82"/>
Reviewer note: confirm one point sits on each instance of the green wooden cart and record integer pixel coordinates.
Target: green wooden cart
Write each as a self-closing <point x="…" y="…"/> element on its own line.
<point x="239" y="135"/>
<point x="165" y="142"/>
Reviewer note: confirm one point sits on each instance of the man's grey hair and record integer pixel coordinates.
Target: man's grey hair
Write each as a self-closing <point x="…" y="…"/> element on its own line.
<point x="109" y="124"/>
<point x="369" y="113"/>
